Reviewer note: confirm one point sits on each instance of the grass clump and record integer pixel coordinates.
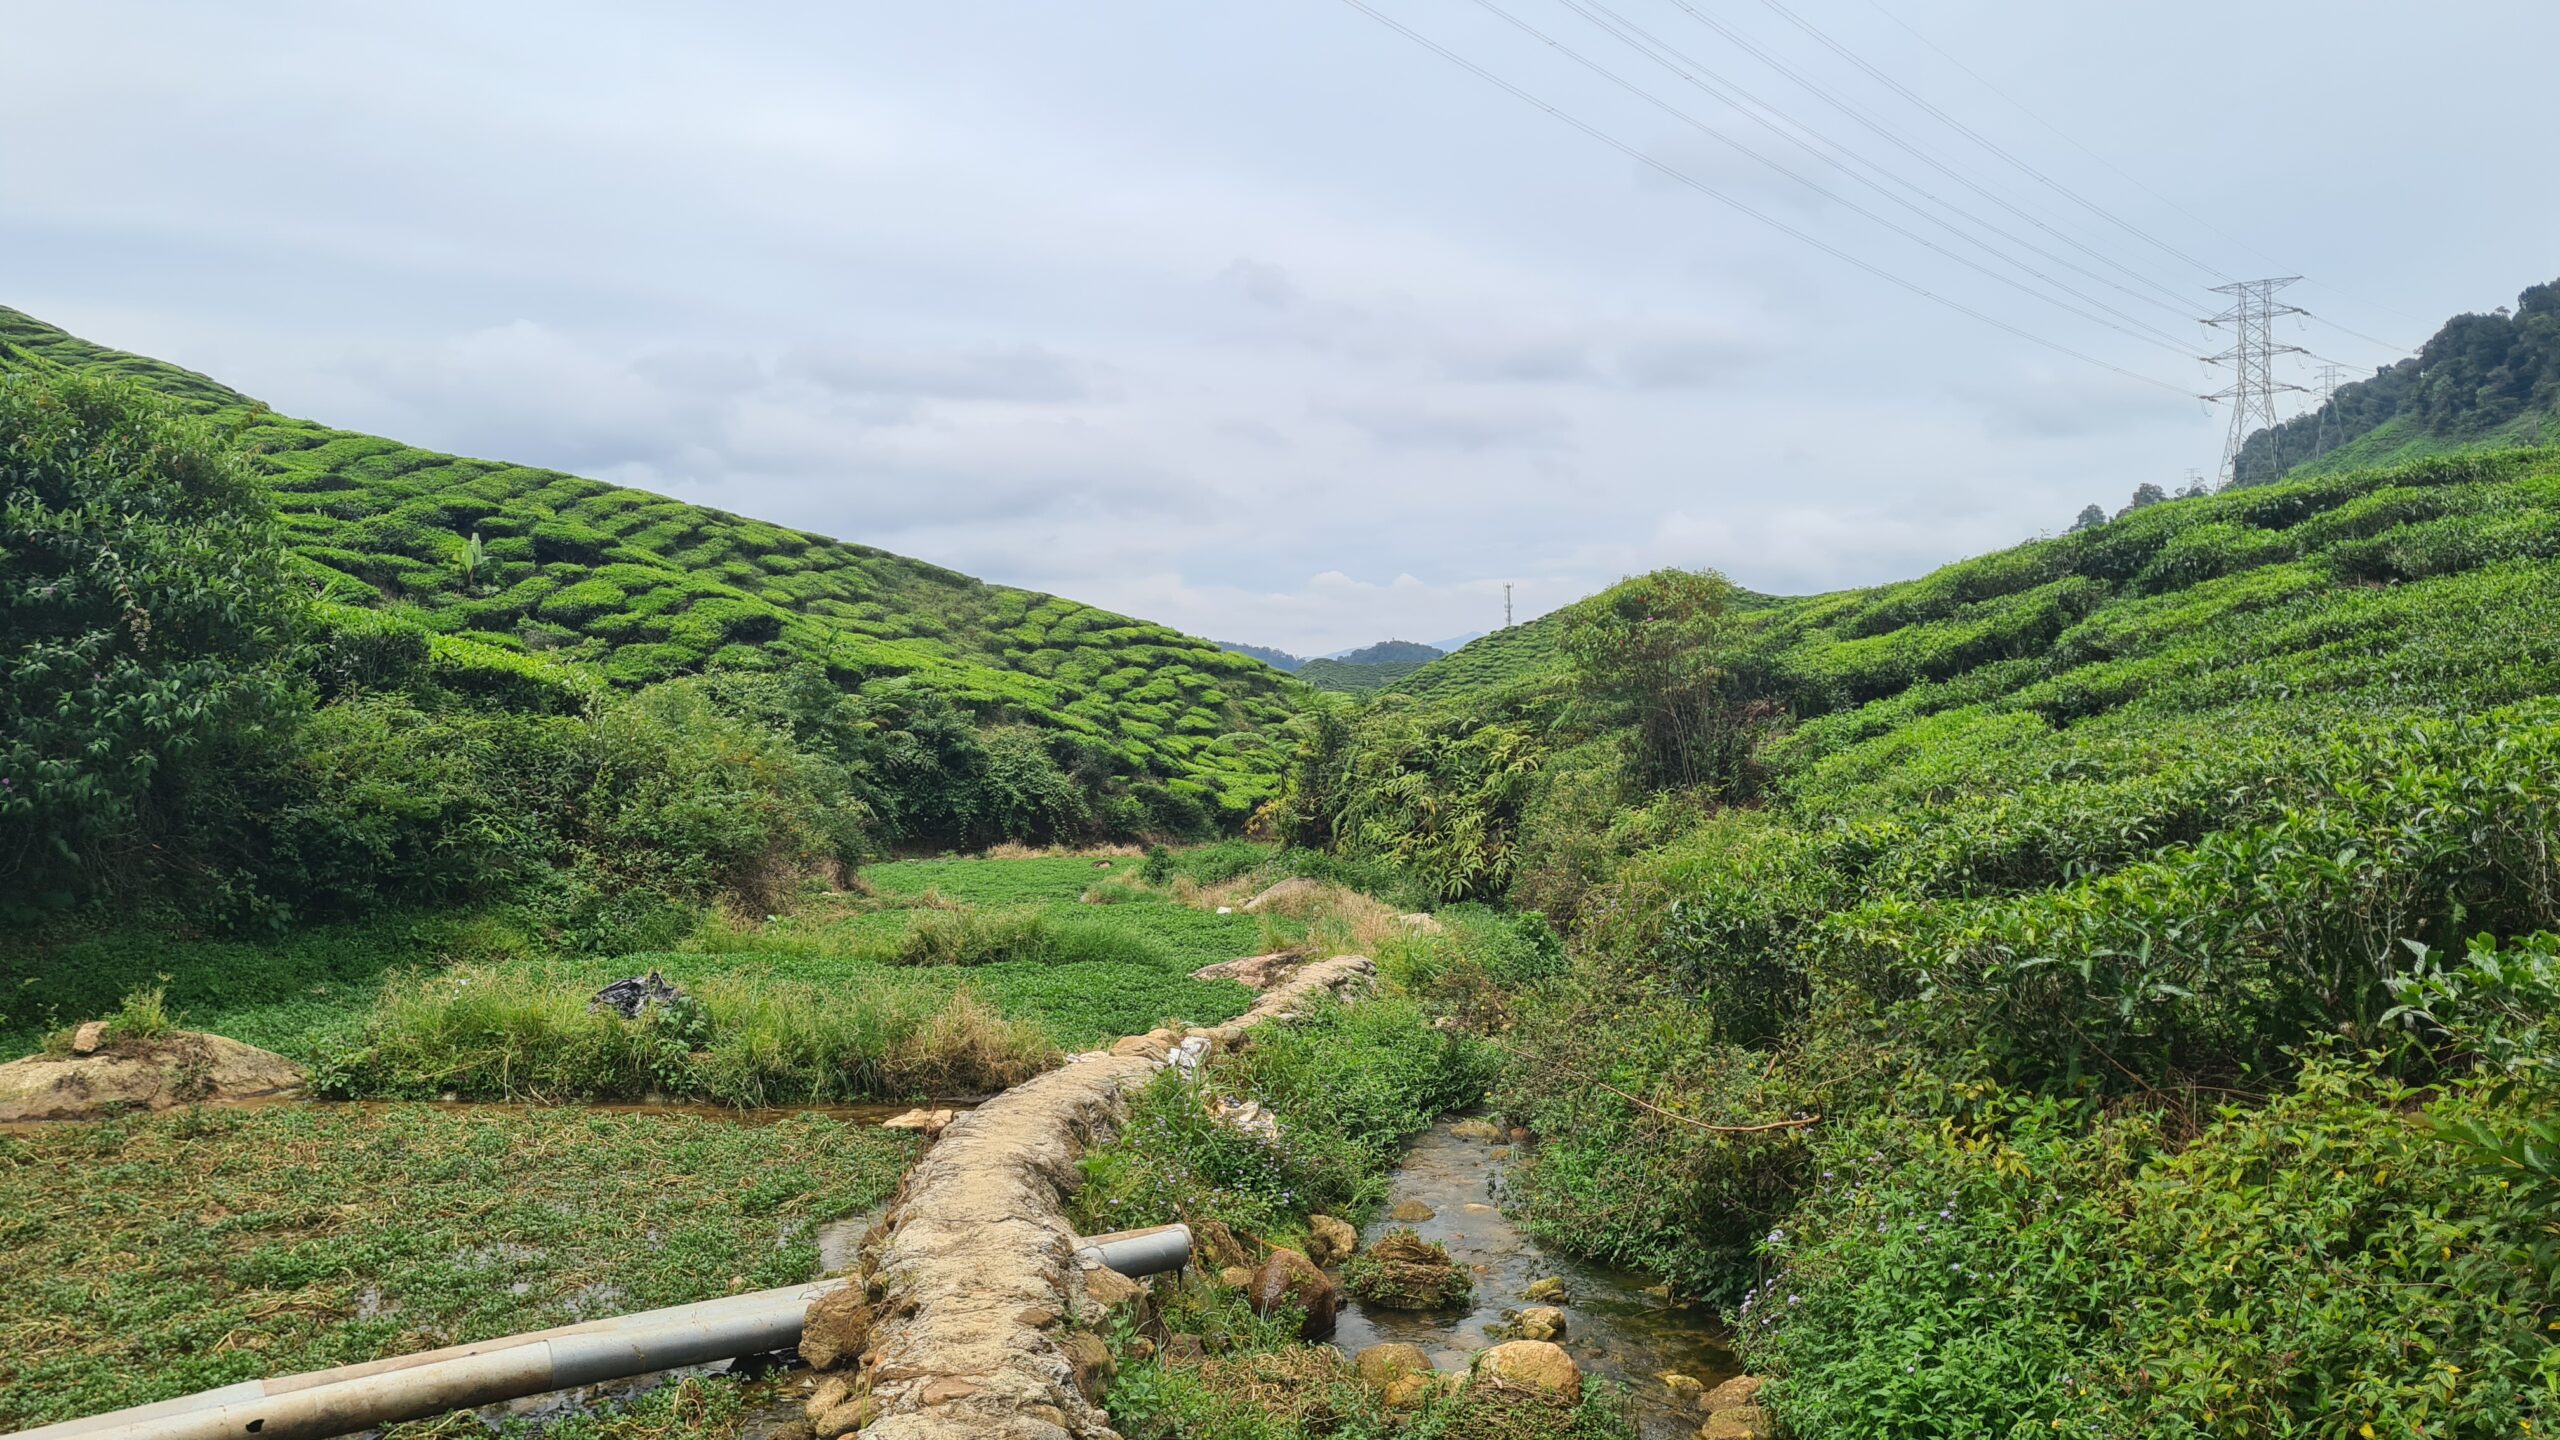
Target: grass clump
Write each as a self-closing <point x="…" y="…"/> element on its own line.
<point x="1402" y="1271"/>
<point x="151" y="1257"/>
<point x="530" y="1033"/>
<point x="1348" y="1084"/>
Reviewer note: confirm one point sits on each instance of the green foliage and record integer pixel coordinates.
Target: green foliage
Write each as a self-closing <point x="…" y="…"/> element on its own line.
<point x="144" y="613"/>
<point x="2049" y="844"/>
<point x="1644" y="653"/>
<point x="1348" y="1085"/>
<point x="1038" y="717"/>
<point x="149" y="1258"/>
<point x="2478" y="378"/>
<point x="2318" y="1265"/>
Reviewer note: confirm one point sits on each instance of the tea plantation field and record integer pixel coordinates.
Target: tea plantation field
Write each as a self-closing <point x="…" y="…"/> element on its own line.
<point x="641" y="588"/>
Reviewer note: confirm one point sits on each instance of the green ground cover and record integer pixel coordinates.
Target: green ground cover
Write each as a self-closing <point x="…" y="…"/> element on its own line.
<point x="948" y="976"/>
<point x="150" y="1257"/>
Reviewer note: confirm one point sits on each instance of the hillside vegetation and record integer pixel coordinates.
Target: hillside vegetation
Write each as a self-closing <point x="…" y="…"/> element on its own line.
<point x="2101" y="987"/>
<point x="259" y="674"/>
<point x="636" y="588"/>
<point x="2480" y="380"/>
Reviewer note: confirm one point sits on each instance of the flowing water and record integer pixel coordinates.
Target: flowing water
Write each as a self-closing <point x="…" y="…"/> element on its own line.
<point x="1613" y="1327"/>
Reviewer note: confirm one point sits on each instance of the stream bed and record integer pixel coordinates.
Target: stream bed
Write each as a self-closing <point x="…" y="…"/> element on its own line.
<point x="1614" y="1329"/>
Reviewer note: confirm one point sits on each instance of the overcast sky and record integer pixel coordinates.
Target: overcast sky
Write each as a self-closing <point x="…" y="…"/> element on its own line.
<point x="1254" y="316"/>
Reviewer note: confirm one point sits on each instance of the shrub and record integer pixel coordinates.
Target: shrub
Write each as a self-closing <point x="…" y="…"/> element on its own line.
<point x="144" y="617"/>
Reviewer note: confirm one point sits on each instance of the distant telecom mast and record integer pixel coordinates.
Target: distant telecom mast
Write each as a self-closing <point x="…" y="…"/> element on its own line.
<point x="2252" y="356"/>
<point x="1506" y="604"/>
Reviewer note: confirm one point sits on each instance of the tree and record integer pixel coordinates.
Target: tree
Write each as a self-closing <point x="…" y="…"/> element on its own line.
<point x="1645" y="655"/>
<point x="145" y="619"/>
<point x="2145" y="495"/>
<point x="2091" y="517"/>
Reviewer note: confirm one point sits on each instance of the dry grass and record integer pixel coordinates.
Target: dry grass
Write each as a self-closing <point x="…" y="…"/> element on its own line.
<point x="1013" y="850"/>
<point x="1303" y="1383"/>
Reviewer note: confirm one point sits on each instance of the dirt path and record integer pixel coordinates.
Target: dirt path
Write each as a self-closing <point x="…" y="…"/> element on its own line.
<point x="976" y="1274"/>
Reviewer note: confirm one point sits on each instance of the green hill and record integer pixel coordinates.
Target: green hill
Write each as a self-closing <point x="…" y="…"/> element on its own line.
<point x="1343" y="677"/>
<point x="2480" y="381"/>
<point x="639" y="588"/>
<point x="2101" y="963"/>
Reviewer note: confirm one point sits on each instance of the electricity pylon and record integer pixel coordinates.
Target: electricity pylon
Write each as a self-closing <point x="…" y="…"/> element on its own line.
<point x="2252" y="356"/>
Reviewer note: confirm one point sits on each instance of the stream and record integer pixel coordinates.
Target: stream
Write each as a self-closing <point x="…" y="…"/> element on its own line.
<point x="1613" y="1328"/>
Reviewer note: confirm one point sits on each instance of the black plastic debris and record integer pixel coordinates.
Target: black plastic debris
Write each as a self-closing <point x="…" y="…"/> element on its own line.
<point x="627" y="998"/>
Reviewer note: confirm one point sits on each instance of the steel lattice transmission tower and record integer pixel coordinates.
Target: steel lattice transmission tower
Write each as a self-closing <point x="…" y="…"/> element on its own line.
<point x="2332" y="375"/>
<point x="2252" y="356"/>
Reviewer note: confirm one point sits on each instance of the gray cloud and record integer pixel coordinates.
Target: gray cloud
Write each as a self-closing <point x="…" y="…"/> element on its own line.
<point x="1257" y="320"/>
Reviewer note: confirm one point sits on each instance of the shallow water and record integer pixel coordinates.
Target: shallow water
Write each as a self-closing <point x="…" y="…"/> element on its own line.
<point x="1612" y="1327"/>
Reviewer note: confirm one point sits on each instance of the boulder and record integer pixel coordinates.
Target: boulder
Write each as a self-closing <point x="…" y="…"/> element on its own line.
<point x="1091" y="1361"/>
<point x="924" y="1120"/>
<point x="1330" y="1241"/>
<point x="1536" y="1365"/>
<point x="1685" y="1389"/>
<point x="1410" y="1392"/>
<point x="1110" y="1289"/>
<point x="90" y="1038"/>
<point x="836" y="1328"/>
<point x="1549" y="1291"/>
<point x="178" y="1068"/>
<point x="1183" y="1348"/>
<point x="1410" y="1212"/>
<point x="1215" y="1246"/>
<point x="1539" y="1322"/>
<point x="1403" y="1271"/>
<point x="1286" y="1277"/>
<point x="1235" y="1277"/>
<point x="1741" y="1422"/>
<point x="1476" y="1130"/>
<point x="1383" y="1364"/>
<point x="1297" y="890"/>
<point x="1258" y="972"/>
<point x="1740" y="1390"/>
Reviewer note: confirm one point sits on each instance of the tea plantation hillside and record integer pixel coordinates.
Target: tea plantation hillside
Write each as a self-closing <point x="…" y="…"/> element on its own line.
<point x="639" y="588"/>
<point x="2101" y="987"/>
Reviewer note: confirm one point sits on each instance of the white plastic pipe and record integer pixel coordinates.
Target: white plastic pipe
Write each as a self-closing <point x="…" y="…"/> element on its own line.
<point x="353" y="1398"/>
<point x="411" y="1387"/>
<point x="1156" y="1250"/>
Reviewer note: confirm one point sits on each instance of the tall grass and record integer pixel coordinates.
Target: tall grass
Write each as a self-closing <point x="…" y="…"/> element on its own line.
<point x="527" y="1033"/>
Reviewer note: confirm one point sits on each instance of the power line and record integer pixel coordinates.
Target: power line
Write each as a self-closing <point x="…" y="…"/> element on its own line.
<point x="1691" y="181"/>
<point x="2360" y="335"/>
<point x="2155" y="336"/>
<point x="1986" y="142"/>
<point x="2129" y="178"/>
<point x="1724" y="89"/>
<point x="1893" y="137"/>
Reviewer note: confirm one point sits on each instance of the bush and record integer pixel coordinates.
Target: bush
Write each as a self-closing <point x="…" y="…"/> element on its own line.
<point x="2021" y="1265"/>
<point x="144" y="621"/>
